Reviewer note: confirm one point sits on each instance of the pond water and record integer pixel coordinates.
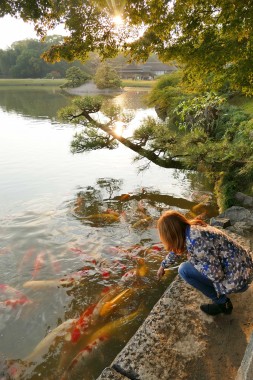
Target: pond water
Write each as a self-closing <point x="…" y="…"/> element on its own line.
<point x="79" y="249"/>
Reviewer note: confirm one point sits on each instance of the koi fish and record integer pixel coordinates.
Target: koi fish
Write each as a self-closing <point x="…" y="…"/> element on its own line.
<point x="110" y="327"/>
<point x="12" y="297"/>
<point x="140" y="271"/>
<point x="108" y="306"/>
<point x="113" y="212"/>
<point x="38" y="284"/>
<point x="75" y="339"/>
<point x="124" y="197"/>
<point x="99" y="336"/>
<point x="43" y="346"/>
<point x="38" y="264"/>
<point x="108" y="217"/>
<point x="82" y="356"/>
<point x="72" y="279"/>
<point x="82" y="324"/>
<point x="142" y="222"/>
<point x="142" y="268"/>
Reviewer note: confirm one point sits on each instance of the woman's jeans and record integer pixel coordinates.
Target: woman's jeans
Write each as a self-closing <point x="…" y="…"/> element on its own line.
<point x="193" y="277"/>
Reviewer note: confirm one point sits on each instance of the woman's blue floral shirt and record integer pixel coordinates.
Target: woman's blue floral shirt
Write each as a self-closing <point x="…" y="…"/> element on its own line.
<point x="217" y="256"/>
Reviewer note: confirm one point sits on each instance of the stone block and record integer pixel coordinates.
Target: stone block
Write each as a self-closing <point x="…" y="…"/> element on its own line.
<point x="220" y="222"/>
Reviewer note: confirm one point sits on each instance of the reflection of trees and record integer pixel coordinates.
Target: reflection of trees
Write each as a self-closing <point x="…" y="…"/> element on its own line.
<point x="32" y="102"/>
<point x="88" y="201"/>
<point x="110" y="185"/>
<point x="94" y="203"/>
<point x="91" y="200"/>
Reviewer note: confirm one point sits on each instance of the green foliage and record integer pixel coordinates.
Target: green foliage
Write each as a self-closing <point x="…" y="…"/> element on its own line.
<point x="107" y="77"/>
<point x="201" y="112"/>
<point x="166" y="94"/>
<point x="23" y="60"/>
<point x="75" y="77"/>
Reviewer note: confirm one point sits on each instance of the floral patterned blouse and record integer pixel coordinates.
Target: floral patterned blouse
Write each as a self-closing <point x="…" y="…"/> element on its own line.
<point x="217" y="256"/>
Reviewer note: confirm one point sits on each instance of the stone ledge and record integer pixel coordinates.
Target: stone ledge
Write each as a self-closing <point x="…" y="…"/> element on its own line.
<point x="245" y="371"/>
<point x="179" y="342"/>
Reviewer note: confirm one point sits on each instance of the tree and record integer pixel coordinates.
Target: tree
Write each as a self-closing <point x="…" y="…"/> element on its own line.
<point x="207" y="135"/>
<point x="23" y="59"/>
<point x="211" y="40"/>
<point x="98" y="135"/>
<point x="107" y="77"/>
<point x="75" y="77"/>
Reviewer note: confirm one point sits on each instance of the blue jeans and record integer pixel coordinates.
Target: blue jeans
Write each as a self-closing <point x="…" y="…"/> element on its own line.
<point x="193" y="277"/>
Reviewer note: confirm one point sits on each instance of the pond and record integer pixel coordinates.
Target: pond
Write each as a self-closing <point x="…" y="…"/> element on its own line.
<point x="79" y="249"/>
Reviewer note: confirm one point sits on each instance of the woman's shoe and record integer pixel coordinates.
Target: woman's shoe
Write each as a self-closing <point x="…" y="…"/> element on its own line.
<point x="214" y="309"/>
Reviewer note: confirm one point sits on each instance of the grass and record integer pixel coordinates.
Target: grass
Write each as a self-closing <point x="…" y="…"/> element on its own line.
<point x="137" y="83"/>
<point x="243" y="102"/>
<point x="32" y="82"/>
<point x="58" y="82"/>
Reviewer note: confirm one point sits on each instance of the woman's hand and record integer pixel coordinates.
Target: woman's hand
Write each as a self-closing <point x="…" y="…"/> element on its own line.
<point x="160" y="273"/>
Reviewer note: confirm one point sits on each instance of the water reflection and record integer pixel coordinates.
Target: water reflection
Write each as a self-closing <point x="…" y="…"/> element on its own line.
<point x="33" y="102"/>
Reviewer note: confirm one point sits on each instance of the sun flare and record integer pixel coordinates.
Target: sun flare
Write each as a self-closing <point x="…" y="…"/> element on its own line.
<point x="117" y="20"/>
<point x="119" y="127"/>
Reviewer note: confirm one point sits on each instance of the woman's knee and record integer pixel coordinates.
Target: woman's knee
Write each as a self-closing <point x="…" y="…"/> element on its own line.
<point x="184" y="269"/>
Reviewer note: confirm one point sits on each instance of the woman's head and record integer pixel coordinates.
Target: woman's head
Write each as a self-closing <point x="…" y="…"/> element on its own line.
<point x="171" y="227"/>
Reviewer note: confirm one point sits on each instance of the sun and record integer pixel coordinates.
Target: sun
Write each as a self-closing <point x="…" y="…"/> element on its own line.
<point x="119" y="127"/>
<point x="117" y="20"/>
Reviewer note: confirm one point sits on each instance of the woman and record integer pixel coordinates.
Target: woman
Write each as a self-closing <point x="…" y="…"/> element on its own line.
<point x="216" y="265"/>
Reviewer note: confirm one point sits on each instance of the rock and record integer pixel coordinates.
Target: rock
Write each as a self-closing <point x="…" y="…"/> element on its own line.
<point x="244" y="199"/>
<point x="220" y="222"/>
<point x="236" y="214"/>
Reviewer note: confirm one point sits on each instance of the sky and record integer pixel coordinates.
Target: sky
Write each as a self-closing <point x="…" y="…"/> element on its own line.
<point x="12" y="30"/>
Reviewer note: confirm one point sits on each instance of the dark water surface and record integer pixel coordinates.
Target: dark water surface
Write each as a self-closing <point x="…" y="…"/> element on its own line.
<point x="78" y="243"/>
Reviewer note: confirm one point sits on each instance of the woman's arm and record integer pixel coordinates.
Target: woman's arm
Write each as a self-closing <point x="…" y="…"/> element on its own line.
<point x="169" y="260"/>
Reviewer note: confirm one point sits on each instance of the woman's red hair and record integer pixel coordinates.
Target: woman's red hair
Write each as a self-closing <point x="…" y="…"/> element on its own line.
<point x="172" y="228"/>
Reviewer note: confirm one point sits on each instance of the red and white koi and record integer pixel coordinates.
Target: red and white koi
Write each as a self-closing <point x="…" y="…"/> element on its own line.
<point x="12" y="297"/>
<point x="82" y="324"/>
<point x="83" y="355"/>
<point x="92" y="343"/>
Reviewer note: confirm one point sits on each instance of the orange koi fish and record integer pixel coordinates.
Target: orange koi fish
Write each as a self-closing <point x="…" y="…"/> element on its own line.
<point x="113" y="212"/>
<point x="142" y="268"/>
<point x="38" y="264"/>
<point x="108" y="306"/>
<point x="125" y="197"/>
<point x="12" y="297"/>
<point x="107" y="217"/>
<point x="144" y="222"/>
